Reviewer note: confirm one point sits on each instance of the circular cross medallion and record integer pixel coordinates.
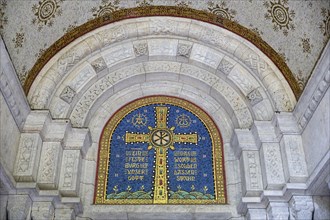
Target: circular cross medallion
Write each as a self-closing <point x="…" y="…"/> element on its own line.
<point x="161" y="138"/>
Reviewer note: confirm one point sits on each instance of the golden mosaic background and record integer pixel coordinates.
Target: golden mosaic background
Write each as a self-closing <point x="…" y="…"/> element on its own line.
<point x="296" y="29"/>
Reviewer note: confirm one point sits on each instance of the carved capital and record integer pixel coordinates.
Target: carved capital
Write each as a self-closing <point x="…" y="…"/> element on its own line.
<point x="301" y="207"/>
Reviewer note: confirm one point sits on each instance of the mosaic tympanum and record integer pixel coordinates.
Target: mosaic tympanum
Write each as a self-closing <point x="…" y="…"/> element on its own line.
<point x="160" y="150"/>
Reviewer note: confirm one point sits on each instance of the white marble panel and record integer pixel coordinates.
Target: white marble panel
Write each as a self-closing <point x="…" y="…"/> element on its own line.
<point x="82" y="76"/>
<point x="118" y="54"/>
<point x="243" y="79"/>
<point x="162" y="47"/>
<point x="206" y="55"/>
<point x="162" y="66"/>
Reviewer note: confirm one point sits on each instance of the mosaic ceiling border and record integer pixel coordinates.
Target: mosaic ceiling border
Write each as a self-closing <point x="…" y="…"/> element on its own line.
<point x="173" y="11"/>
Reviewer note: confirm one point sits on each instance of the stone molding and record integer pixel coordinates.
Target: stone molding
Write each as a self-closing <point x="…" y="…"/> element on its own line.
<point x="71" y="73"/>
<point x="315" y="89"/>
<point x="11" y="88"/>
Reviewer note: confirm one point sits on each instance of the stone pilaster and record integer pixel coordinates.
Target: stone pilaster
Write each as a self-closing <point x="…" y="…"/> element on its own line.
<point x="48" y="174"/>
<point x="270" y="155"/>
<point x="70" y="173"/>
<point x="288" y="132"/>
<point x="248" y="153"/>
<point x="273" y="176"/>
<point x="27" y="159"/>
<point x="278" y="211"/>
<point x="76" y="144"/>
<point x="301" y="207"/>
<point x="295" y="163"/>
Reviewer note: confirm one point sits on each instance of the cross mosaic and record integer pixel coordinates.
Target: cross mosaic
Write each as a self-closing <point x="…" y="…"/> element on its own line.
<point x="160" y="150"/>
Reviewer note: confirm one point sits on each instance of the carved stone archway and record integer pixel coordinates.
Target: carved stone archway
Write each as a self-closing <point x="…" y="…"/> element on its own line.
<point x="83" y="84"/>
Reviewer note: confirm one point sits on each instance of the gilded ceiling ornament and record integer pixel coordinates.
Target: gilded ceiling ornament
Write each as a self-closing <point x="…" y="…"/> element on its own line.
<point x="280" y="15"/>
<point x="306" y="45"/>
<point x="41" y="51"/>
<point x="325" y="25"/>
<point x="282" y="54"/>
<point x="45" y="12"/>
<point x="182" y="3"/>
<point x="70" y="27"/>
<point x="18" y="40"/>
<point x="222" y="10"/>
<point x="106" y="8"/>
<point x="22" y="74"/>
<point x="301" y="79"/>
<point x="3" y="18"/>
<point x="144" y="3"/>
<point x="256" y="30"/>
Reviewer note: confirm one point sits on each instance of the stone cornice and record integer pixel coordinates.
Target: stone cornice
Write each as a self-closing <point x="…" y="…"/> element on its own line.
<point x="11" y="88"/>
<point x="315" y="89"/>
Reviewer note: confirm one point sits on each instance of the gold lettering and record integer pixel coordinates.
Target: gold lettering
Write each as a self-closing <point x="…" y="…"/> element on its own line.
<point x="185" y="178"/>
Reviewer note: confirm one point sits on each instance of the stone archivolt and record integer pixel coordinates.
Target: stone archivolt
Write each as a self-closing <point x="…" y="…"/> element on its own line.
<point x="203" y="65"/>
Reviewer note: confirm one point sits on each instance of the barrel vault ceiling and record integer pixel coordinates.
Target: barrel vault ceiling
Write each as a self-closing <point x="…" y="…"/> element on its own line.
<point x="297" y="29"/>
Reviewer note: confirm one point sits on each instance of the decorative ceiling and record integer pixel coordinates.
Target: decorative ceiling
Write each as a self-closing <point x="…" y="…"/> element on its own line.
<point x="296" y="29"/>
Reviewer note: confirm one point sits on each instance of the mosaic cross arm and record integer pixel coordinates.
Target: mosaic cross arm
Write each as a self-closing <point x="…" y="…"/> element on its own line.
<point x="160" y="139"/>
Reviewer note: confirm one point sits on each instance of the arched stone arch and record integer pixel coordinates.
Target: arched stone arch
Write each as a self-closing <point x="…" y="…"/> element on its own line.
<point x="233" y="70"/>
<point x="223" y="73"/>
